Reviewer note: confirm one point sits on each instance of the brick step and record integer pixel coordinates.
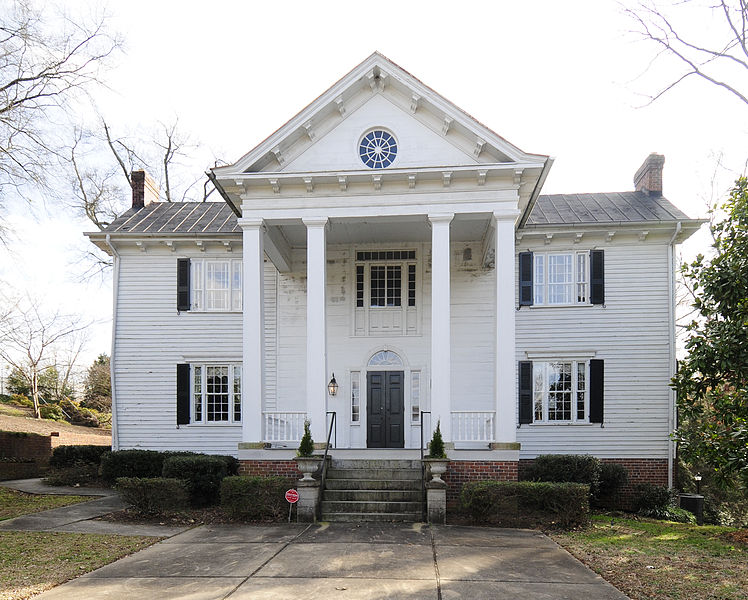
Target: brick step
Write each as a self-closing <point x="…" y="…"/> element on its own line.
<point x="355" y="506"/>
<point x="372" y="484"/>
<point x="364" y="495"/>
<point x="410" y="517"/>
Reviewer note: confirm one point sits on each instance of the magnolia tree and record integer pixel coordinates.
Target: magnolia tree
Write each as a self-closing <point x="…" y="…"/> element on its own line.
<point x="712" y="381"/>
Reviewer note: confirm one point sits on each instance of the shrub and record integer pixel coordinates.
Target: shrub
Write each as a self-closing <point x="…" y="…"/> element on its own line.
<point x="20" y="400"/>
<point x="153" y="495"/>
<point x="77" y="474"/>
<point x="131" y="463"/>
<point x="52" y="411"/>
<point x="436" y="447"/>
<point x="67" y="456"/>
<point x="306" y="446"/>
<point x="650" y="499"/>
<point x="202" y="474"/>
<point x="526" y="503"/>
<point x="254" y="498"/>
<point x="79" y="416"/>
<point x="612" y="478"/>
<point x="569" y="468"/>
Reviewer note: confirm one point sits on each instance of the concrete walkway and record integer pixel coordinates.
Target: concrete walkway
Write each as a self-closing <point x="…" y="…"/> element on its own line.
<point x="364" y="561"/>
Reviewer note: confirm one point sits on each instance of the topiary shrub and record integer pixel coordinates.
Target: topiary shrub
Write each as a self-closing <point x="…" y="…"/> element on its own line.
<point x="526" y="503"/>
<point x="612" y="479"/>
<point x="153" y="495"/>
<point x="202" y="474"/>
<point x="436" y="446"/>
<point x="67" y="456"/>
<point x="306" y="446"/>
<point x="131" y="463"/>
<point x="254" y="498"/>
<point x="569" y="468"/>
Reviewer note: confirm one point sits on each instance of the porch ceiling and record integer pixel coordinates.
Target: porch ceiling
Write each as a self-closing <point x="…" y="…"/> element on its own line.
<point x="387" y="230"/>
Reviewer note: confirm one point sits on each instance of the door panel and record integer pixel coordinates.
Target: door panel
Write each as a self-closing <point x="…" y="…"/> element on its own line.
<point x="385" y="409"/>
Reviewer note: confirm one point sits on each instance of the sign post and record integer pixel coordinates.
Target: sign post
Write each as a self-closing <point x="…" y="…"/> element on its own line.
<point x="292" y="497"/>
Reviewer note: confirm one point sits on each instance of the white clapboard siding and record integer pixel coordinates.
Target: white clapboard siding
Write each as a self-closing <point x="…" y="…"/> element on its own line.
<point x="630" y="333"/>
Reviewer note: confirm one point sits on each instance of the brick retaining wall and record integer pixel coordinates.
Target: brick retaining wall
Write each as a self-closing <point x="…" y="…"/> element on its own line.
<point x="460" y="472"/>
<point x="281" y="468"/>
<point x="26" y="445"/>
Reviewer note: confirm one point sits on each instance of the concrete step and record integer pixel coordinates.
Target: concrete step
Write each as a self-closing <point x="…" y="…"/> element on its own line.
<point x="372" y="484"/>
<point x="410" y="517"/>
<point x="370" y="507"/>
<point x="389" y="473"/>
<point x="373" y="495"/>
<point x="375" y="464"/>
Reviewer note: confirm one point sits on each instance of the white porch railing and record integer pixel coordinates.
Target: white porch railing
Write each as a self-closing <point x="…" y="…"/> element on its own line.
<point x="472" y="426"/>
<point x="284" y="426"/>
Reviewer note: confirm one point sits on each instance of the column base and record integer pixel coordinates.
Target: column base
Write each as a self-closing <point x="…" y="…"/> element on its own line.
<point x="306" y="507"/>
<point x="436" y="502"/>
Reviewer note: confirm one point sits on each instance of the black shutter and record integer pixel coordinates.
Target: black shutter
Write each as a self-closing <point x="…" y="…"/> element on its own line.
<point x="525" y="392"/>
<point x="597" y="385"/>
<point x="183" y="284"/>
<point x="597" y="276"/>
<point x="525" y="278"/>
<point x="183" y="394"/>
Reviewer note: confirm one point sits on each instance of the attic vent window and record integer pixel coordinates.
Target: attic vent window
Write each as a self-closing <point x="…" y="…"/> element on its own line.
<point x="378" y="149"/>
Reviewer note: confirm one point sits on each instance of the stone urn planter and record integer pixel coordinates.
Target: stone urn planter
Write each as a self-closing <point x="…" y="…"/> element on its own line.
<point x="437" y="467"/>
<point x="308" y="465"/>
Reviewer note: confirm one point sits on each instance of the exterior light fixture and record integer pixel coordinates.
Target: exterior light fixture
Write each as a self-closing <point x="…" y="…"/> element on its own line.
<point x="332" y="387"/>
<point x="697" y="479"/>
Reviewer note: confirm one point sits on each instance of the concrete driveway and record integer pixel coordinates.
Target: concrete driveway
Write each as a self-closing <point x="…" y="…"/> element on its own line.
<point x="364" y="561"/>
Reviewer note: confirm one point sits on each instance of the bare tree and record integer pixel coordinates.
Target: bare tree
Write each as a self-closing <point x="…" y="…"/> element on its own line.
<point x="30" y="341"/>
<point x="717" y="53"/>
<point x="46" y="61"/>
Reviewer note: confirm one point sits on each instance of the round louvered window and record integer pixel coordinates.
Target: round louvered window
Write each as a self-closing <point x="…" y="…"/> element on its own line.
<point x="377" y="149"/>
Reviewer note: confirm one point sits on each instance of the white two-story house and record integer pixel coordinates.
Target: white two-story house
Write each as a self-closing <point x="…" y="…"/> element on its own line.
<point x="385" y="238"/>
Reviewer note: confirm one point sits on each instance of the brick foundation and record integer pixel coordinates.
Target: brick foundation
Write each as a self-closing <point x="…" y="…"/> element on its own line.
<point x="280" y="468"/>
<point x="460" y="472"/>
<point x="640" y="470"/>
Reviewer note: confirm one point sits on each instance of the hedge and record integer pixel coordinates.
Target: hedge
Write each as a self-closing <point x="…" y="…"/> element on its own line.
<point x="148" y="463"/>
<point x="526" y="503"/>
<point x="254" y="498"/>
<point x="202" y="474"/>
<point x="154" y="495"/>
<point x="68" y="456"/>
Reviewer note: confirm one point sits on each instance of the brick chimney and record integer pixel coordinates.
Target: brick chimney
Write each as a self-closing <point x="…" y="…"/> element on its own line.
<point x="648" y="178"/>
<point x="144" y="190"/>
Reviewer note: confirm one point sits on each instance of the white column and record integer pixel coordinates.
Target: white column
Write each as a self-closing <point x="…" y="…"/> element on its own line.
<point x="441" y="343"/>
<point x="316" y="328"/>
<point x="506" y="390"/>
<point x="253" y="330"/>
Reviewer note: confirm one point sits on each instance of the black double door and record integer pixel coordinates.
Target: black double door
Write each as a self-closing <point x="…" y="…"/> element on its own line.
<point x="385" y="409"/>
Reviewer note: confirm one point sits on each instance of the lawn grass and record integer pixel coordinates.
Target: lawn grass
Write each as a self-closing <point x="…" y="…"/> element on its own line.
<point x="15" y="504"/>
<point x="648" y="559"/>
<point x="31" y="562"/>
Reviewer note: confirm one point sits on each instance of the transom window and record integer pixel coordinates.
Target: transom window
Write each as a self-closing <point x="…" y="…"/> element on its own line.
<point x="378" y="149"/>
<point x="559" y="391"/>
<point x="216" y="394"/>
<point x="216" y="285"/>
<point x="561" y="278"/>
<point x="386" y="358"/>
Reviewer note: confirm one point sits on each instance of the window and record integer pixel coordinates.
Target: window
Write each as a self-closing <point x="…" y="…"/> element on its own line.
<point x="377" y="149"/>
<point x="559" y="391"/>
<point x="216" y="393"/>
<point x="216" y="285"/>
<point x="415" y="396"/>
<point x="560" y="278"/>
<point x="355" y="396"/>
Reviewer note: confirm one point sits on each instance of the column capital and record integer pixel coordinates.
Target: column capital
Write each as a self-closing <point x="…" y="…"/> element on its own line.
<point x="252" y="223"/>
<point x="314" y="221"/>
<point x="507" y="214"/>
<point x="441" y="218"/>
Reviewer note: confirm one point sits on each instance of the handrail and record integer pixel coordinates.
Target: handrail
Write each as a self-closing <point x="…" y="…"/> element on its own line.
<point x="423" y="469"/>
<point x="324" y="458"/>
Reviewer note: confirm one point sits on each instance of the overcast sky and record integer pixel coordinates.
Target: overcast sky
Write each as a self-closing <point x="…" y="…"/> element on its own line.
<point x="566" y="79"/>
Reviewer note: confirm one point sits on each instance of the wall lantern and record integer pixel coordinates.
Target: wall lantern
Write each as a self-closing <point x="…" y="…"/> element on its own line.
<point x="332" y="387"/>
<point x="697" y="479"/>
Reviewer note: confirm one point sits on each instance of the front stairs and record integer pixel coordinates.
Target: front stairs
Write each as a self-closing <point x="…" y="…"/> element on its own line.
<point x="373" y="490"/>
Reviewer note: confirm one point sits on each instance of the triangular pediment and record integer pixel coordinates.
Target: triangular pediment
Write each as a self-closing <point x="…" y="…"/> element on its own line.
<point x="325" y="136"/>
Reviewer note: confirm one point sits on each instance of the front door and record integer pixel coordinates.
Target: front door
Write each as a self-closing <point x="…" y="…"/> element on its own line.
<point x="385" y="409"/>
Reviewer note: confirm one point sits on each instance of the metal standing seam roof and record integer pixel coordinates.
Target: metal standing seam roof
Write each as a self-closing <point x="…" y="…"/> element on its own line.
<point x="554" y="209"/>
<point x="614" y="207"/>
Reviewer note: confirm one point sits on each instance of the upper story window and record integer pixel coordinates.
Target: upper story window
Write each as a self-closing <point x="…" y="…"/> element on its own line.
<point x="377" y="149"/>
<point x="216" y="285"/>
<point x="561" y="278"/>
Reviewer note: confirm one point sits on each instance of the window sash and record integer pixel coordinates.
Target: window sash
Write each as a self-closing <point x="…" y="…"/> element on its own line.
<point x="560" y="392"/>
<point x="216" y="285"/>
<point x="415" y="396"/>
<point x="355" y="396"/>
<point x="560" y="278"/>
<point x="216" y="394"/>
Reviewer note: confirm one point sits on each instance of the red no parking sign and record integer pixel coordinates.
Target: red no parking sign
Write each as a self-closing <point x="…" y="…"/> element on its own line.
<point x="292" y="496"/>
